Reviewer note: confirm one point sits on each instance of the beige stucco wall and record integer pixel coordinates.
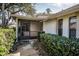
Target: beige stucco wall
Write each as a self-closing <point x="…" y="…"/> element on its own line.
<point x="35" y="26"/>
<point x="51" y="26"/>
<point x="77" y="31"/>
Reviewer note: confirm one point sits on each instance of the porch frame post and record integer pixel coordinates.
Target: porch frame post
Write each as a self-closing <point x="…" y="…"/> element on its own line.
<point x="16" y="29"/>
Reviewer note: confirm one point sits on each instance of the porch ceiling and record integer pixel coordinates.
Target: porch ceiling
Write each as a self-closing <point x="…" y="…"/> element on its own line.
<point x="28" y="17"/>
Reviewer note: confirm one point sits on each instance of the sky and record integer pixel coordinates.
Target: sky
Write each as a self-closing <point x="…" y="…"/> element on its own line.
<point x="55" y="7"/>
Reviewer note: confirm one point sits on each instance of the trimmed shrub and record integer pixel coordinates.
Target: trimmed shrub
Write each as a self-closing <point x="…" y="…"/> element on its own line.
<point x="7" y="38"/>
<point x="55" y="45"/>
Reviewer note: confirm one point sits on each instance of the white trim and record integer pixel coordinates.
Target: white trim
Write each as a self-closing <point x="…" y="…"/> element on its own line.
<point x="16" y="29"/>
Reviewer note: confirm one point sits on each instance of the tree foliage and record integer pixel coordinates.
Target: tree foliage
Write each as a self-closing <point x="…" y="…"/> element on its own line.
<point x="13" y="8"/>
<point x="48" y="10"/>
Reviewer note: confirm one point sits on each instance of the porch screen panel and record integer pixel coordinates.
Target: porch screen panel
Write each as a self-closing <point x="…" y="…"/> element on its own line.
<point x="25" y="29"/>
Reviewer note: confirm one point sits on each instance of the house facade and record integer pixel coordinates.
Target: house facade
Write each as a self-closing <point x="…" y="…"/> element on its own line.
<point x="64" y="23"/>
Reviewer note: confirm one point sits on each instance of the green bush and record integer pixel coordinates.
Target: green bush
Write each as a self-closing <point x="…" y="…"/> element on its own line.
<point x="7" y="37"/>
<point x="59" y="46"/>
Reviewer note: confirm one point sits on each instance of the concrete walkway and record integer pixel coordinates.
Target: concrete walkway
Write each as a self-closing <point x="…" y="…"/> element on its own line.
<point x="26" y="50"/>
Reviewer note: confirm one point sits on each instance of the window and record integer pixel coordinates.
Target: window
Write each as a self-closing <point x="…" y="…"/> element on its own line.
<point x="72" y="27"/>
<point x="60" y="23"/>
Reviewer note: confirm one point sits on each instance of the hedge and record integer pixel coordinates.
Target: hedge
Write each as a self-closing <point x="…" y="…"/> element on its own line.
<point x="7" y="38"/>
<point x="55" y="45"/>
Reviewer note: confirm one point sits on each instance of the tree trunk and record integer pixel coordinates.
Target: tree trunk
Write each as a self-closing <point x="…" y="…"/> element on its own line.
<point x="3" y="16"/>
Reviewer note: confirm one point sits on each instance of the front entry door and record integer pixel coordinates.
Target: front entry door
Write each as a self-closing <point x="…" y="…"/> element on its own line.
<point x="25" y="26"/>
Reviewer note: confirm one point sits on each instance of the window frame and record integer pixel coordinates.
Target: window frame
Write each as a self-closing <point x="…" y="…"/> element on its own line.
<point x="72" y="29"/>
<point x="60" y="27"/>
